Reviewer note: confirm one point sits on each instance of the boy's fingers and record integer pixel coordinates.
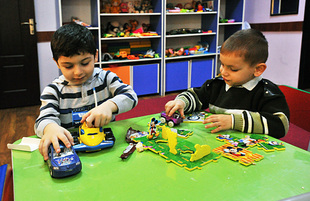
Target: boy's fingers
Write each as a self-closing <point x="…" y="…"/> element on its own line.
<point x="67" y="139"/>
<point x="84" y="117"/>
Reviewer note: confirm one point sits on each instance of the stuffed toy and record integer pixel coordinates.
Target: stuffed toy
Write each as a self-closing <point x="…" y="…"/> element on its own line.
<point x="124" y="7"/>
<point x="131" y="8"/>
<point x="138" y="6"/>
<point x="146" y="27"/>
<point x="114" y="28"/>
<point x="115" y="6"/>
<point x="146" y="7"/>
<point x="134" y="24"/>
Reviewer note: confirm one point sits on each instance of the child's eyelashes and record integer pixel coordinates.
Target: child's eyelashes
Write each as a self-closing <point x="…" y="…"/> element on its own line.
<point x="84" y="64"/>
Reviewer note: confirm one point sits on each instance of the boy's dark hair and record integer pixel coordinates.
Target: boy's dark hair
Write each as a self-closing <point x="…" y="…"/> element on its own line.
<point x="249" y="43"/>
<point x="72" y="39"/>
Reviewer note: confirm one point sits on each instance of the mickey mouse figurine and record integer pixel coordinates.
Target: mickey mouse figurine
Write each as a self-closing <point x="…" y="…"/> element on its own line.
<point x="152" y="130"/>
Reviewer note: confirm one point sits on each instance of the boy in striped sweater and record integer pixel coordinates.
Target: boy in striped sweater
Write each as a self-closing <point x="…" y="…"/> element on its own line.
<point x="82" y="90"/>
<point x="239" y="98"/>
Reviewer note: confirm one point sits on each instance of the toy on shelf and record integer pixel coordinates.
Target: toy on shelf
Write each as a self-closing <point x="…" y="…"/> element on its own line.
<point x="146" y="6"/>
<point x="124" y="7"/>
<point x="63" y="164"/>
<point x="80" y="22"/>
<point x="115" y="6"/>
<point x="130" y="6"/>
<point x="173" y="120"/>
<point x="114" y="29"/>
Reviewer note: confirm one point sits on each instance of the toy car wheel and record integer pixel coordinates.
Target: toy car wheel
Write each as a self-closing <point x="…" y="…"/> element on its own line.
<point x="163" y="120"/>
<point x="51" y="172"/>
<point x="170" y="123"/>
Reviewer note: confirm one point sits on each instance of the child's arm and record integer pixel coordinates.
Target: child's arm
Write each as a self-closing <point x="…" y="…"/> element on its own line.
<point x="52" y="134"/>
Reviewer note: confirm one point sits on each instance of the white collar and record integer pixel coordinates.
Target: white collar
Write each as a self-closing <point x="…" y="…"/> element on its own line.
<point x="249" y="85"/>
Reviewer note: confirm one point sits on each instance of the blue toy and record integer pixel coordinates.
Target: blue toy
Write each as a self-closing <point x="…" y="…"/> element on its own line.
<point x="63" y="164"/>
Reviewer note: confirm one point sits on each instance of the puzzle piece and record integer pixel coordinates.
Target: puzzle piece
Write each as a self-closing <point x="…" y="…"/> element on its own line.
<point x="244" y="156"/>
<point x="201" y="151"/>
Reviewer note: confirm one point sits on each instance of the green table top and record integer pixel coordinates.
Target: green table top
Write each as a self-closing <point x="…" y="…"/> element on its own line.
<point x="148" y="176"/>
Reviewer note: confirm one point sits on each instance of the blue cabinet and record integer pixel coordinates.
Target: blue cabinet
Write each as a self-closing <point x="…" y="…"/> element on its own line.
<point x="145" y="79"/>
<point x="176" y="76"/>
<point x="201" y="71"/>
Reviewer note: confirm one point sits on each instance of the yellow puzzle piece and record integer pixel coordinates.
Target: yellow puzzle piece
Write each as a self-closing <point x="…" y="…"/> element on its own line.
<point x="201" y="151"/>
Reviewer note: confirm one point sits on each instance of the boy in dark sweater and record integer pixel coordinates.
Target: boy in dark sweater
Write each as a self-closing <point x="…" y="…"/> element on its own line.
<point x="240" y="98"/>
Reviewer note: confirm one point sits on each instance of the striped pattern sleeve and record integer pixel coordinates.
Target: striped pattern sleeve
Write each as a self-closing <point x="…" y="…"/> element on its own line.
<point x="123" y="95"/>
<point x="49" y="110"/>
<point x="254" y="122"/>
<point x="191" y="100"/>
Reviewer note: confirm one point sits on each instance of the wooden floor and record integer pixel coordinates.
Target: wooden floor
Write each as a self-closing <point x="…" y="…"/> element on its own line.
<point x="17" y="123"/>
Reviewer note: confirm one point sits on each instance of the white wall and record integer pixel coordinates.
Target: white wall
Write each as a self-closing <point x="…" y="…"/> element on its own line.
<point x="284" y="47"/>
<point x="45" y="11"/>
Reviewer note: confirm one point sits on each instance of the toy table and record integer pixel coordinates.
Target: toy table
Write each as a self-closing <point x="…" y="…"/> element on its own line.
<point x="147" y="176"/>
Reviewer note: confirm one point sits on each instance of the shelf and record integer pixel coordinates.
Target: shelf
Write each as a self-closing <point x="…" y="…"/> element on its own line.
<point x="194" y="13"/>
<point x="129" y="61"/>
<point x="230" y="24"/>
<point x="130" y="38"/>
<point x="190" y="35"/>
<point x="190" y="56"/>
<point x="128" y="14"/>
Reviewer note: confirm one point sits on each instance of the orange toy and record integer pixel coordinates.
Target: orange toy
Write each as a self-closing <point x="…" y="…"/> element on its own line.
<point x="115" y="6"/>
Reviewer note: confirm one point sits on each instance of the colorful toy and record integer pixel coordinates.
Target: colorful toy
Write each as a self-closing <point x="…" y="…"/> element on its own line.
<point x="63" y="164"/>
<point x="153" y="134"/>
<point x="137" y="6"/>
<point x="80" y="22"/>
<point x="244" y="156"/>
<point x="114" y="28"/>
<point x="115" y="6"/>
<point x="177" y="150"/>
<point x="146" y="7"/>
<point x="93" y="139"/>
<point x="175" y="119"/>
<point x="131" y="8"/>
<point x="124" y="7"/>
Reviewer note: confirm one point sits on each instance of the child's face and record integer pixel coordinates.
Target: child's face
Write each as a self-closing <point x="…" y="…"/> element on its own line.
<point x="235" y="71"/>
<point x="78" y="68"/>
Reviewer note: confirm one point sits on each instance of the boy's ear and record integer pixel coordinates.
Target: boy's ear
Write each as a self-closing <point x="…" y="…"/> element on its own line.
<point x="259" y="69"/>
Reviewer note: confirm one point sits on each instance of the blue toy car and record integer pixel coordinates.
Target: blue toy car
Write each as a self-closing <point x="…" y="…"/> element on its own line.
<point x="63" y="164"/>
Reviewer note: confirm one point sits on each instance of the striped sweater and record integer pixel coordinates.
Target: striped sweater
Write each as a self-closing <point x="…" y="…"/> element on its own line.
<point x="60" y="99"/>
<point x="257" y="107"/>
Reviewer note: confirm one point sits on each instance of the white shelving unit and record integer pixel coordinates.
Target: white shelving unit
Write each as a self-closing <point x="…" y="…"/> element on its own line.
<point x="168" y="69"/>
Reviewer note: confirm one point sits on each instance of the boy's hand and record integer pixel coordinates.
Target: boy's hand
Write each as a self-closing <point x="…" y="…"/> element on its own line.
<point x="52" y="134"/>
<point x="220" y="121"/>
<point x="100" y="115"/>
<point x="173" y="106"/>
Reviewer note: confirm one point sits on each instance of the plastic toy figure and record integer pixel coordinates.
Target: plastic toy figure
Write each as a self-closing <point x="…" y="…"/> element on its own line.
<point x="175" y="119"/>
<point x="152" y="129"/>
<point x="63" y="164"/>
